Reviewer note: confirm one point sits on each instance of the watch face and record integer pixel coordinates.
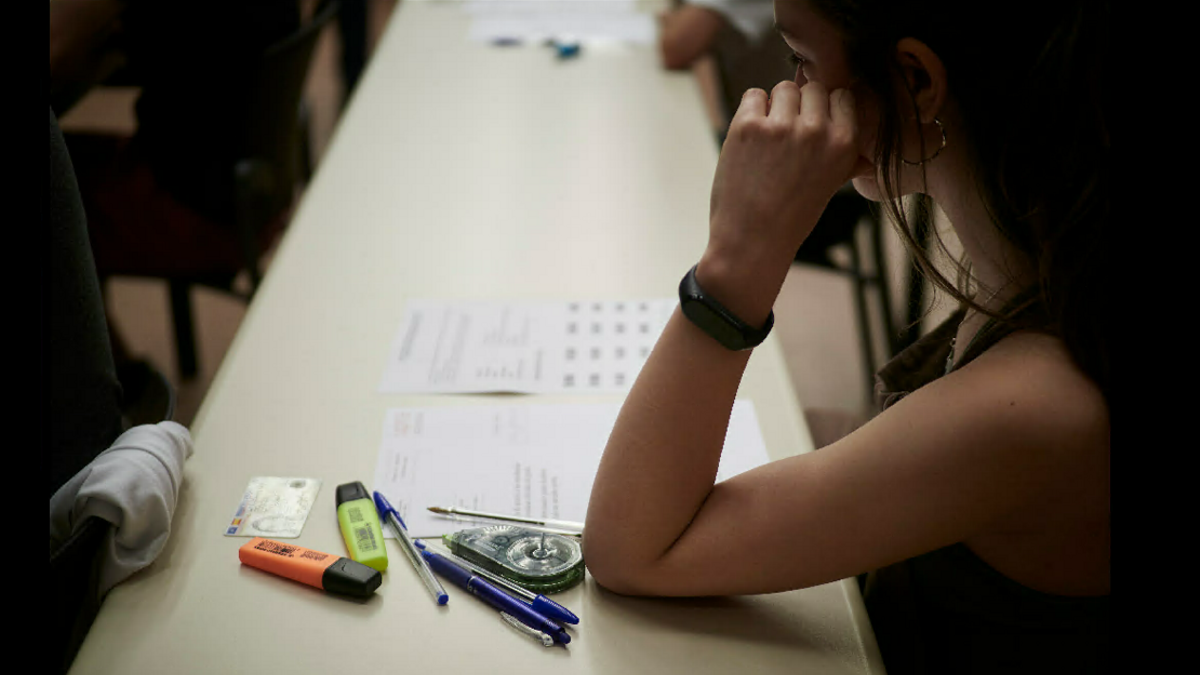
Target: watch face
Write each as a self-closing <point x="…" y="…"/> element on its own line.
<point x="713" y="323"/>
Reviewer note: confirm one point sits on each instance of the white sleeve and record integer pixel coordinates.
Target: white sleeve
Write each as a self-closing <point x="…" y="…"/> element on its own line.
<point x="134" y="485"/>
<point x="754" y="18"/>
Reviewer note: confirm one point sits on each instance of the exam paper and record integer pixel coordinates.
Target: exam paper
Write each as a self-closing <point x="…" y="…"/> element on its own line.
<point x="533" y="347"/>
<point x="527" y="460"/>
<point x="583" y="20"/>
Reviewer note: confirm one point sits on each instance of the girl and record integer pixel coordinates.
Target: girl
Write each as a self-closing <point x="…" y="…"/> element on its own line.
<point x="978" y="498"/>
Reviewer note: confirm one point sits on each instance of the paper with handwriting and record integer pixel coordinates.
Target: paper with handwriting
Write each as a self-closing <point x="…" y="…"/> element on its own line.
<point x="534" y="460"/>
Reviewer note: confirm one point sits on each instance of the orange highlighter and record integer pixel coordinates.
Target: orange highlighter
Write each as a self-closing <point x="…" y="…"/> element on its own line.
<point x="323" y="570"/>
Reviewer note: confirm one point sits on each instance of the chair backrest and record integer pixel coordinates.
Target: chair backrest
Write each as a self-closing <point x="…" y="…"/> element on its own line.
<point x="75" y="582"/>
<point x="149" y="396"/>
<point x="271" y="116"/>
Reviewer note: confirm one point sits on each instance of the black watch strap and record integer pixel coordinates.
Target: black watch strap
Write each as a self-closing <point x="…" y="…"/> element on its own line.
<point x="712" y="317"/>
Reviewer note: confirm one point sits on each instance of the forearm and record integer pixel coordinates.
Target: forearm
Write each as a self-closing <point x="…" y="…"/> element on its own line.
<point x="661" y="459"/>
<point x="657" y="472"/>
<point x="660" y="464"/>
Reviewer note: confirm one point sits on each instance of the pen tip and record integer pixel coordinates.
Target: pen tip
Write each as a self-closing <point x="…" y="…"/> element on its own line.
<point x="437" y="509"/>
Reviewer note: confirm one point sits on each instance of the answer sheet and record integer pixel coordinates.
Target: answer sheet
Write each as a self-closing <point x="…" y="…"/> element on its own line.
<point x="526" y="460"/>
<point x="531" y="347"/>
<point x="534" y="21"/>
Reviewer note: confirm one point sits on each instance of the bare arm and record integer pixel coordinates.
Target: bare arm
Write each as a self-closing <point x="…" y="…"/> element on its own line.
<point x="687" y="33"/>
<point x="953" y="459"/>
<point x="658" y="468"/>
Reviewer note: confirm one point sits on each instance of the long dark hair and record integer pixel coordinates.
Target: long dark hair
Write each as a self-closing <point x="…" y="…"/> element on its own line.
<point x="1028" y="78"/>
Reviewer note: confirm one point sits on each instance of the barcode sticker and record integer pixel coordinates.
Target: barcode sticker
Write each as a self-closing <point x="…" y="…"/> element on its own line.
<point x="276" y="548"/>
<point x="366" y="539"/>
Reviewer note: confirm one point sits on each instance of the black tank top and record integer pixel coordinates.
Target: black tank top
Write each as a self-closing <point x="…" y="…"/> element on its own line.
<point x="948" y="611"/>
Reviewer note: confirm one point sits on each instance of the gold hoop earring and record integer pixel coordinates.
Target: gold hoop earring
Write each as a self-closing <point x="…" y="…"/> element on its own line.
<point x="942" y="128"/>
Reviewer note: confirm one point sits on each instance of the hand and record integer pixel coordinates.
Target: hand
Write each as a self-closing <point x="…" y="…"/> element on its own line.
<point x="782" y="161"/>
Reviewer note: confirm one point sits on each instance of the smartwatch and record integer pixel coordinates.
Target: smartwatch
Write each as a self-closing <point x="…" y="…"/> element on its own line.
<point x="712" y="318"/>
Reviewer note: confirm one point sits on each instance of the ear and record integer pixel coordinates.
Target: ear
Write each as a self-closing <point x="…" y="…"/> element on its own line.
<point x="925" y="76"/>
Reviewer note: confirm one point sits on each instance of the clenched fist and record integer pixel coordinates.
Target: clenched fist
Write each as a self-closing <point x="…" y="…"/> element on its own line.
<point x="783" y="159"/>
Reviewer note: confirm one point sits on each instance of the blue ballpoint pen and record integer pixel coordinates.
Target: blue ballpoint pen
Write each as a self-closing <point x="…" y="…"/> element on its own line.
<point x="480" y="588"/>
<point x="540" y="603"/>
<point x="389" y="515"/>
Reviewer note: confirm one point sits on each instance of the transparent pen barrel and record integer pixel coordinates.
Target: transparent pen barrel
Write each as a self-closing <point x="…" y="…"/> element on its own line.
<point x="419" y="565"/>
<point x="426" y="576"/>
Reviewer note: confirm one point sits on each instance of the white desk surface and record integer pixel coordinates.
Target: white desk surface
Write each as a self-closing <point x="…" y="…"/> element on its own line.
<point x="459" y="170"/>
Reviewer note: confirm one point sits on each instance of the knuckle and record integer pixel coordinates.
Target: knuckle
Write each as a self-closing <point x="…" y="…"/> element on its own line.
<point x="757" y="124"/>
<point x="842" y="138"/>
<point x="813" y="128"/>
<point x="753" y="93"/>
<point x="775" y="128"/>
<point x="743" y="130"/>
<point x="784" y="85"/>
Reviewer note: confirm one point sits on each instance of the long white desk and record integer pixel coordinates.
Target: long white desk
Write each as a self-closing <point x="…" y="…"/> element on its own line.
<point x="460" y="170"/>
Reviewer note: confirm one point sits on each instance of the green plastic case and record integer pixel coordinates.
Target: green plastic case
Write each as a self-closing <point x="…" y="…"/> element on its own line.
<point x="540" y="561"/>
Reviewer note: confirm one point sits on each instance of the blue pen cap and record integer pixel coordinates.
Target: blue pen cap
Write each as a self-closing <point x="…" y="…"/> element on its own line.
<point x="552" y="610"/>
<point x="384" y="507"/>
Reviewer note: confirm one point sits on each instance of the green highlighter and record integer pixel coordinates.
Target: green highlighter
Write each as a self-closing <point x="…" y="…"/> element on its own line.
<point x="360" y="526"/>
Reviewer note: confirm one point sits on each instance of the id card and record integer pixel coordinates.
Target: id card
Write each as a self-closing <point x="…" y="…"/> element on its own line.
<point x="274" y="507"/>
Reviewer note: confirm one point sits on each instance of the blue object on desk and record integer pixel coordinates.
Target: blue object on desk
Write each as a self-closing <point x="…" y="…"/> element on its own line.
<point x="392" y="517"/>
<point x="567" y="50"/>
<point x="564" y="50"/>
<point x="540" y="603"/>
<point x="480" y="588"/>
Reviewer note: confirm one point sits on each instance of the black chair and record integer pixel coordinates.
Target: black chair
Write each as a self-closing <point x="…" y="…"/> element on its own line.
<point x="74" y="582"/>
<point x="921" y="222"/>
<point x="353" y="20"/>
<point x="268" y="120"/>
<point x="845" y="215"/>
<point x="266" y="180"/>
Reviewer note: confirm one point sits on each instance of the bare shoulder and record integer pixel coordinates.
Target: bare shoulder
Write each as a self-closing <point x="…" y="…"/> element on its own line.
<point x="1016" y="429"/>
<point x="1032" y="386"/>
<point x="1027" y="389"/>
<point x="1055" y="537"/>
